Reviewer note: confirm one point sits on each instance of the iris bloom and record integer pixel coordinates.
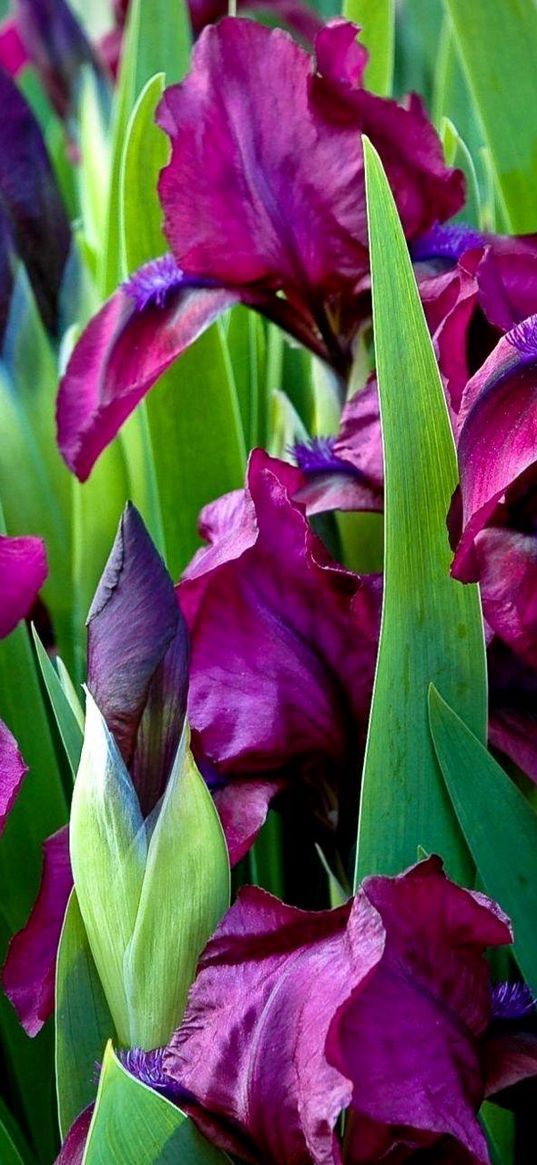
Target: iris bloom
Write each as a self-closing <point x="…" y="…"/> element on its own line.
<point x="380" y="1008"/>
<point x="278" y="220"/>
<point x="283" y="654"/>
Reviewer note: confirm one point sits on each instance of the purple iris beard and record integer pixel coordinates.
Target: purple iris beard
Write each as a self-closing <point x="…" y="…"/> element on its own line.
<point x="152" y="283"/>
<point x="317" y="456"/>
<point x="446" y="242"/>
<point x="511" y="1000"/>
<point x="147" y="1067"/>
<point x="523" y="337"/>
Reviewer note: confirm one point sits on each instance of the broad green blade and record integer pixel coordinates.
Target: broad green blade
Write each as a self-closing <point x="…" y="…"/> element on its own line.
<point x="431" y="625"/>
<point x="108" y="852"/>
<point x="197" y="439"/>
<point x="499" y="1126"/>
<point x="497" y="42"/>
<point x="12" y="1133"/>
<point x="133" y="1125"/>
<point x="157" y="39"/>
<point x="184" y="895"/>
<point x="82" y="1018"/>
<point x="144" y="156"/>
<point x="376" y="19"/>
<point x="498" y="824"/>
<point x="68" y="726"/>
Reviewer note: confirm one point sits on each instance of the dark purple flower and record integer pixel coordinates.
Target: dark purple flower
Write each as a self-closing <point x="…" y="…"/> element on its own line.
<point x="34" y="224"/>
<point x="46" y="34"/>
<point x="380" y="1007"/>
<point x="283" y="653"/>
<point x="279" y="207"/>
<point x="23" y="570"/>
<point x="72" y="1150"/>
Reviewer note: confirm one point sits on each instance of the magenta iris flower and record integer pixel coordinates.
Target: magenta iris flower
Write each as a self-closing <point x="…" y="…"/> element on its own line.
<point x="381" y="1007"/>
<point x="279" y="208"/>
<point x="283" y="654"/>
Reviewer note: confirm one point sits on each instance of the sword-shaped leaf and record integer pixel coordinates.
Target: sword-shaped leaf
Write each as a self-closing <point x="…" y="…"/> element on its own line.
<point x="431" y="626"/>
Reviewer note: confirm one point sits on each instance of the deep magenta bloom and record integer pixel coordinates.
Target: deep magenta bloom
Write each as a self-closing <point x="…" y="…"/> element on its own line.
<point x="279" y="207"/>
<point x="381" y="1007"/>
<point x="283" y="653"/>
<point x="23" y="570"/>
<point x="498" y="432"/>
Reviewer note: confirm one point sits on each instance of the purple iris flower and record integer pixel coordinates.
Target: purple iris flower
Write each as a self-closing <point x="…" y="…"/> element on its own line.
<point x="33" y="223"/>
<point x="473" y="288"/>
<point x="278" y="219"/>
<point x="381" y="1007"/>
<point x="46" y="34"/>
<point x="283" y="644"/>
<point x="138" y="675"/>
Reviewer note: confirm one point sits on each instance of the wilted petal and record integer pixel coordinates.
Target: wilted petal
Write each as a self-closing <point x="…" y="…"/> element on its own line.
<point x="498" y="438"/>
<point x="31" y="201"/>
<point x="23" y="570"/>
<point x="138" y="658"/>
<point x="12" y="772"/>
<point x="123" y="351"/>
<point x="251" y="1047"/>
<point x="29" y="971"/>
<point x="409" y="1041"/>
<point x="283" y="644"/>
<point x="72" y="1150"/>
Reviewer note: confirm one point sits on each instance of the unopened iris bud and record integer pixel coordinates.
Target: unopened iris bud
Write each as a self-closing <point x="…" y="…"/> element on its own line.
<point x="148" y="853"/>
